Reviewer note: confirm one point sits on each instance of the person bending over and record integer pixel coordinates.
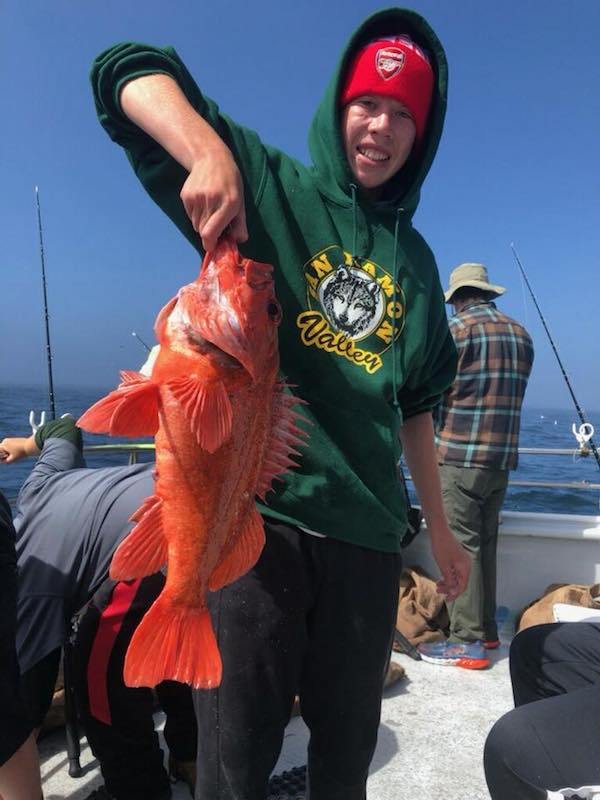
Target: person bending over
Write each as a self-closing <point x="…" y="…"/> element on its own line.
<point x="69" y="521"/>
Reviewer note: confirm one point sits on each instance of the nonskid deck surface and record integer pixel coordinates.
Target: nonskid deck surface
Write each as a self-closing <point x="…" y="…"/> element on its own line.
<point x="433" y="728"/>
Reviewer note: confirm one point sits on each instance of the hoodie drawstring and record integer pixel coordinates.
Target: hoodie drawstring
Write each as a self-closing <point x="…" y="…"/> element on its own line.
<point x="353" y="189"/>
<point x="395" y="401"/>
<point x="399" y="211"/>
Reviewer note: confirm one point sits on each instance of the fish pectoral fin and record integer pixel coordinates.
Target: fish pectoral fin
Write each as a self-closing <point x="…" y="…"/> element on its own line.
<point x="242" y="555"/>
<point x="207" y="408"/>
<point x="173" y="643"/>
<point x="131" y="410"/>
<point x="286" y="436"/>
<point x="144" y="549"/>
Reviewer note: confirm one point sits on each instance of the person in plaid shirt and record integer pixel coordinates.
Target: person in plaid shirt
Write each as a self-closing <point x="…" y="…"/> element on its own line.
<point x="477" y="440"/>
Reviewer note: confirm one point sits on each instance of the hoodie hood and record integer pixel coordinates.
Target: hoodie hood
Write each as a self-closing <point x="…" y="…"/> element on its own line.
<point x="330" y="166"/>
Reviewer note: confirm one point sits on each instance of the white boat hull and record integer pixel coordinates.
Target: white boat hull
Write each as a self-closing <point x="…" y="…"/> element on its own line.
<point x="534" y="550"/>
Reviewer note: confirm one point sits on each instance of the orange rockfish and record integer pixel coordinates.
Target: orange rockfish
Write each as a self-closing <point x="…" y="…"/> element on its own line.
<point x="225" y="428"/>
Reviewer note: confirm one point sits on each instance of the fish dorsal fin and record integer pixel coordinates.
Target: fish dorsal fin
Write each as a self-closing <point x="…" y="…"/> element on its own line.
<point x="131" y="410"/>
<point x="144" y="550"/>
<point x="242" y="555"/>
<point x="207" y="408"/>
<point x="286" y="436"/>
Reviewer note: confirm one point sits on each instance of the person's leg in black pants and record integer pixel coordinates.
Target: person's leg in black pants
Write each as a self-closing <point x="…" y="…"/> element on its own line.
<point x="547" y="660"/>
<point x="550" y="741"/>
<point x="38" y="684"/>
<point x="259" y="622"/>
<point x="350" y="640"/>
<point x="314" y="615"/>
<point x="17" y="748"/>
<point x="118" y="720"/>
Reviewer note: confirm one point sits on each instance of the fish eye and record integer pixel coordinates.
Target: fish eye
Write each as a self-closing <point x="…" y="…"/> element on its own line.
<point x="274" y="311"/>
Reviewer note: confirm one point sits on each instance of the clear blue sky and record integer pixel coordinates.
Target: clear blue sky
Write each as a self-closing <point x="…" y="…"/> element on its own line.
<point x="519" y="162"/>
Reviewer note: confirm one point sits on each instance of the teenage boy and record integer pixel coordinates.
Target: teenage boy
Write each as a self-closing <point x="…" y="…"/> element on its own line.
<point x="69" y="521"/>
<point x="365" y="339"/>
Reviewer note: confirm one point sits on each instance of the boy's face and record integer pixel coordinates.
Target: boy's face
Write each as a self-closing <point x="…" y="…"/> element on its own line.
<point x="378" y="133"/>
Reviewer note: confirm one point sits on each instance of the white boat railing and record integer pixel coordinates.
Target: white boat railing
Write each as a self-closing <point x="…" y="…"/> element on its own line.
<point x="133" y="449"/>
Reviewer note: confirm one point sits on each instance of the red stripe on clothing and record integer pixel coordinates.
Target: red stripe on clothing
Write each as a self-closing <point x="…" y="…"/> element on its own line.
<point x="108" y="629"/>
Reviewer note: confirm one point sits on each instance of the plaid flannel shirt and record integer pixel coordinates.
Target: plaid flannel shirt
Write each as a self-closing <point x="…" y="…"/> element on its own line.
<point x="479" y="417"/>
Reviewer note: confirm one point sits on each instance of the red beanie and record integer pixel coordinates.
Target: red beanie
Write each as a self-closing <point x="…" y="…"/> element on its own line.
<point x="393" y="67"/>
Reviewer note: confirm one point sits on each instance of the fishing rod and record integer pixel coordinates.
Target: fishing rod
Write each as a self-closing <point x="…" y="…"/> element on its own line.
<point x="584" y="422"/>
<point x="139" y="338"/>
<point x="47" y="318"/>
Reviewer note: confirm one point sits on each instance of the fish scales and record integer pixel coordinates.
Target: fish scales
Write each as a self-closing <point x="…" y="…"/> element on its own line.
<point x="211" y="493"/>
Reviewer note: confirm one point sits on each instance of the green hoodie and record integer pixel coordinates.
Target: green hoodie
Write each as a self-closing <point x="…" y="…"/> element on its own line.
<point x="364" y="336"/>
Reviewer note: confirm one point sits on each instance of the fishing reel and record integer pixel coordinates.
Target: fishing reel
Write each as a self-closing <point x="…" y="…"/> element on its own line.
<point x="583" y="435"/>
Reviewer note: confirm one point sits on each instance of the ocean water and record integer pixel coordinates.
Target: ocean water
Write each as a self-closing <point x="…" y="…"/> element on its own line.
<point x="15" y="404"/>
<point x="541" y="428"/>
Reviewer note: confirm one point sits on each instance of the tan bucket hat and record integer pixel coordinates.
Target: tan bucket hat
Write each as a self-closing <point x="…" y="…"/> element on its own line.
<point x="471" y="275"/>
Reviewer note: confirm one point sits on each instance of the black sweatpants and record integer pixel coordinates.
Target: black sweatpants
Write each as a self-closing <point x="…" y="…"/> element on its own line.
<point x="118" y="720"/>
<point x="551" y="740"/>
<point x="314" y="616"/>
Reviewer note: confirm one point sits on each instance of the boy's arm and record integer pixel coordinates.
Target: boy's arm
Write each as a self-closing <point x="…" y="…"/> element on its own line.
<point x="212" y="194"/>
<point x="416" y="435"/>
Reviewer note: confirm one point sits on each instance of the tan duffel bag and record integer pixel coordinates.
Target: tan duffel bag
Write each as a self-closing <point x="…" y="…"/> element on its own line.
<point x="540" y="611"/>
<point x="422" y="614"/>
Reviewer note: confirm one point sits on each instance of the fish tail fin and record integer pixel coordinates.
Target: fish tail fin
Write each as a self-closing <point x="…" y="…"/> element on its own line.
<point x="173" y="643"/>
<point x="131" y="410"/>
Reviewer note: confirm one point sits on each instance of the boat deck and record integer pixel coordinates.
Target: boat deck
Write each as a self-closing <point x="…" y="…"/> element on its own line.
<point x="433" y="726"/>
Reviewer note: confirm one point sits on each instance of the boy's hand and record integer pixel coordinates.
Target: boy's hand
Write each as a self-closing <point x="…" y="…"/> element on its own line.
<point x="213" y="194"/>
<point x="213" y="197"/>
<point x="454" y="563"/>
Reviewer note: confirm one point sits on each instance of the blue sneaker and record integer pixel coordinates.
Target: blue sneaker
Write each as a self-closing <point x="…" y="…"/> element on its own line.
<point x="469" y="655"/>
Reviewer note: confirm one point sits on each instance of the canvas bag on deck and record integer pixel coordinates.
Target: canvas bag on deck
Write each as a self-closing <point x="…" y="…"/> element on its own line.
<point x="422" y="614"/>
<point x="539" y="611"/>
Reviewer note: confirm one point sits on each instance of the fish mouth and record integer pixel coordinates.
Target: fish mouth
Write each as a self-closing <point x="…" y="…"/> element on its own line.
<point x="258" y="275"/>
<point x="207" y="348"/>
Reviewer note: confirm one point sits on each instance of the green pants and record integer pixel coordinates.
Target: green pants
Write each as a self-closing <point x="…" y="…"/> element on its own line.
<point x="473" y="498"/>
